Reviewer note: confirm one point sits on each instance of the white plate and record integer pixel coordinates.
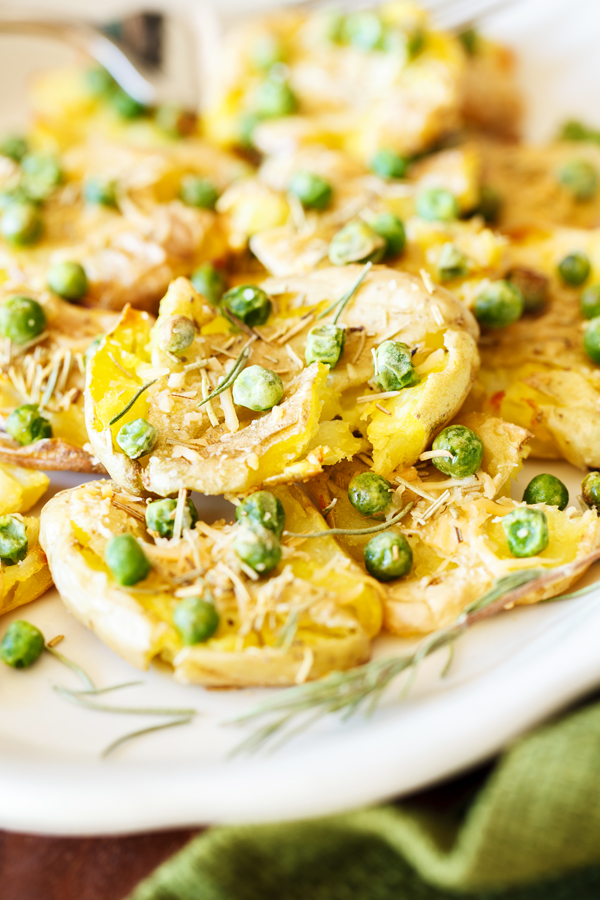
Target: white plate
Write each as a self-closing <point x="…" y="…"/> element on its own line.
<point x="508" y="673"/>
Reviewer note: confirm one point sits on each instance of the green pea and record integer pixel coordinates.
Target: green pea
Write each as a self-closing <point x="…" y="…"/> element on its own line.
<point x="248" y="303"/>
<point x="245" y="130"/>
<point x="267" y="51"/>
<point x="364" y="30"/>
<point x="210" y="282"/>
<point x="125" y="106"/>
<point x="198" y="192"/>
<point x="490" y="204"/>
<point x="258" y="547"/>
<point x="591" y="339"/>
<point x="26" y="425"/>
<point x="275" y="98"/>
<point x="160" y="516"/>
<point x="590" y="490"/>
<point x="526" y="531"/>
<point x="577" y="131"/>
<point x="264" y="509"/>
<point x="437" y="205"/>
<point x="547" y="489"/>
<point x="21" y="223"/>
<point x="466" y="449"/>
<point x="41" y="174"/>
<point x="393" y="367"/>
<point x="580" y="177"/>
<point x="100" y="192"/>
<point x="370" y="494"/>
<point x="13" y="540"/>
<point x="390" y="228"/>
<point x="388" y="556"/>
<point x="499" y="305"/>
<point x="470" y="41"/>
<point x="21" y="319"/>
<point x="533" y="287"/>
<point x="415" y="43"/>
<point x="389" y="164"/>
<point x="312" y="191"/>
<point x="175" y="121"/>
<point x="14" y="146"/>
<point x="258" y="389"/>
<point x="452" y="263"/>
<point x="91" y="350"/>
<point x="126" y="560"/>
<point x="332" y="24"/>
<point x="68" y="280"/>
<point x="99" y="82"/>
<point x="176" y="334"/>
<point x="589" y="302"/>
<point x="356" y="242"/>
<point x="22" y="645"/>
<point x="324" y="343"/>
<point x="575" y="268"/>
<point x="137" y="438"/>
<point x="196" y="620"/>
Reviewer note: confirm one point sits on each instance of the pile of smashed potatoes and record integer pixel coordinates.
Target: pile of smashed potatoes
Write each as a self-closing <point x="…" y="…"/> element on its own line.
<point x="345" y="298"/>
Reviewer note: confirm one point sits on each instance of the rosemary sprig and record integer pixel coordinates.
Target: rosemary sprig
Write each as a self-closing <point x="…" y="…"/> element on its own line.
<point x="140" y="732"/>
<point x="233" y="374"/>
<point x="361" y="688"/>
<point x="133" y="400"/>
<point x="342" y="302"/>
<point x="371" y="530"/>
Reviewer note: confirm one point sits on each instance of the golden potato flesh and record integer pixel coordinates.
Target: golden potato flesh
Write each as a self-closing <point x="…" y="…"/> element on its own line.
<point x="314" y="613"/>
<point x="219" y="447"/>
<point x="50" y="370"/>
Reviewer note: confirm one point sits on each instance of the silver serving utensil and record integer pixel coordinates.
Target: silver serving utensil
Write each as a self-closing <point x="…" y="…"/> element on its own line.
<point x="153" y="56"/>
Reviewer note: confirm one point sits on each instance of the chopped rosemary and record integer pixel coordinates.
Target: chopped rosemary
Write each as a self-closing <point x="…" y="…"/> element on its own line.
<point x="233" y="374"/>
<point x="362" y="687"/>
<point x="133" y="400"/>
<point x="142" y="731"/>
<point x="371" y="530"/>
<point x="109" y="689"/>
<point x="343" y="301"/>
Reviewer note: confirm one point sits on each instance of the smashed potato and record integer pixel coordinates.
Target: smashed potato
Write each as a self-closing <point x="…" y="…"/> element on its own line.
<point x="51" y="369"/>
<point x="233" y="450"/>
<point x="26" y="580"/>
<point x="455" y="531"/>
<point x="314" y="613"/>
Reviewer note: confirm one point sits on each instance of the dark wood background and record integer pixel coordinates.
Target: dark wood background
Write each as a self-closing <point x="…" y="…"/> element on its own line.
<point x="48" y="868"/>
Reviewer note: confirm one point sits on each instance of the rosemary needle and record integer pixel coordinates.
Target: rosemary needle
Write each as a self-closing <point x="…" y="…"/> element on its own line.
<point x="107" y="690"/>
<point x="128" y="710"/>
<point x="347" y="296"/>
<point x="142" y="731"/>
<point x="135" y="397"/>
<point x="73" y="666"/>
<point x="237" y="368"/>
<point x="371" y="530"/>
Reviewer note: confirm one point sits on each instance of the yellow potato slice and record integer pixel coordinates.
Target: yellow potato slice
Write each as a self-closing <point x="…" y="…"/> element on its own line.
<point x="218" y="448"/>
<point x="536" y="373"/>
<point x="26" y="580"/>
<point x="20" y="489"/>
<point x="336" y="608"/>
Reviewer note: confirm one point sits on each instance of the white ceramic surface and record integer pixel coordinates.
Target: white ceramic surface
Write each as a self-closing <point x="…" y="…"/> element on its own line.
<point x="507" y="675"/>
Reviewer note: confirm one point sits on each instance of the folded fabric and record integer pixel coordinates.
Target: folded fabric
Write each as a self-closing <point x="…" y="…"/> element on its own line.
<point x="532" y="822"/>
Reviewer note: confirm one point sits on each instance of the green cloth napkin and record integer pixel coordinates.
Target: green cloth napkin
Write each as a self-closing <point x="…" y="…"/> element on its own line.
<point x="519" y="832"/>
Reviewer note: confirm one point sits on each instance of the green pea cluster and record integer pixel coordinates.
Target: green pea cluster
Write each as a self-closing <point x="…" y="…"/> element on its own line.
<point x="39" y="176"/>
<point x="261" y="519"/>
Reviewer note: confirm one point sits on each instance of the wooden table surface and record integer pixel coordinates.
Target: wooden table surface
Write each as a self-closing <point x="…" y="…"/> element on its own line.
<point x="105" y="868"/>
